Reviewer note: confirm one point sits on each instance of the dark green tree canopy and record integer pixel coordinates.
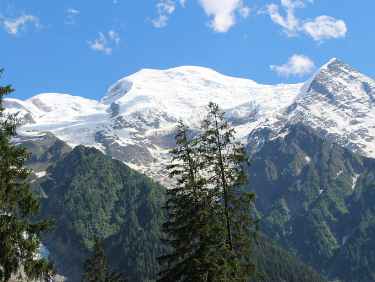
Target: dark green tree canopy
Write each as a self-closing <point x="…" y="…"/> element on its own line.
<point x="190" y="207"/>
<point x="19" y="237"/>
<point x="210" y="226"/>
<point x="95" y="268"/>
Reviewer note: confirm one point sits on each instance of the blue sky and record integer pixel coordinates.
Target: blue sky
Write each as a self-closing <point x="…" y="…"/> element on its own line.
<point x="82" y="47"/>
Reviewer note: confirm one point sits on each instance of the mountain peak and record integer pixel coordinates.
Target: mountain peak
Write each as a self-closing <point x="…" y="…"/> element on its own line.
<point x="333" y="61"/>
<point x="135" y="122"/>
<point x="339" y="103"/>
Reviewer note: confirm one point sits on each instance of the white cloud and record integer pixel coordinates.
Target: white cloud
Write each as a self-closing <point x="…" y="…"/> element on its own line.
<point x="70" y="10"/>
<point x="182" y="2"/>
<point x="296" y="65"/>
<point x="71" y="16"/>
<point x="100" y="44"/>
<point x="223" y="12"/>
<point x="165" y="7"/>
<point x="290" y="23"/>
<point x="244" y="12"/>
<point x="14" y="26"/>
<point x="325" y="27"/>
<point x="160" y="22"/>
<point x="114" y="36"/>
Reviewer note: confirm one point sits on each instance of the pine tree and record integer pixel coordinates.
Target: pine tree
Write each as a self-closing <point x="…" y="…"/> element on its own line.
<point x="210" y="226"/>
<point x="19" y="237"/>
<point x="95" y="268"/>
<point x="225" y="166"/>
<point x="189" y="208"/>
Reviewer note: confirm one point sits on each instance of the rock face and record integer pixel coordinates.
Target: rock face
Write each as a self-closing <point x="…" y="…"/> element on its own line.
<point x="315" y="199"/>
<point x="339" y="103"/>
<point x="135" y="122"/>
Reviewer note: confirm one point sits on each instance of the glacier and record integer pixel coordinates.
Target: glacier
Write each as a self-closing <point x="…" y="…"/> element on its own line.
<point x="136" y="120"/>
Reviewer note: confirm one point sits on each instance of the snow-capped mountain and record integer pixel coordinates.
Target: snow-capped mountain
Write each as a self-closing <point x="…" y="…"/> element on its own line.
<point x="135" y="122"/>
<point x="339" y="103"/>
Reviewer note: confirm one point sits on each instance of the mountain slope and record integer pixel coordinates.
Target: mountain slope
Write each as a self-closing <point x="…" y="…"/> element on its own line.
<point x="90" y="193"/>
<point x="309" y="188"/>
<point x="280" y="266"/>
<point x="339" y="103"/>
<point x="316" y="200"/>
<point x="136" y="119"/>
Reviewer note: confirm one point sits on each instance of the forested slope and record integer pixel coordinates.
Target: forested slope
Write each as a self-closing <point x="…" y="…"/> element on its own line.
<point x="280" y="266"/>
<point x="90" y="193"/>
<point x="316" y="199"/>
<point x="93" y="194"/>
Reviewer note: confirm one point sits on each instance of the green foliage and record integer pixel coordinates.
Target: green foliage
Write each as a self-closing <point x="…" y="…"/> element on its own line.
<point x="279" y="265"/>
<point x="358" y="252"/>
<point x="95" y="268"/>
<point x="225" y="166"/>
<point x="90" y="193"/>
<point x="314" y="202"/>
<point x="190" y="208"/>
<point x="19" y="237"/>
<point x="135" y="245"/>
<point x="210" y="226"/>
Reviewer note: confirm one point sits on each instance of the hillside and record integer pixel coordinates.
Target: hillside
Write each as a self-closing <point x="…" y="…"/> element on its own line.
<point x="90" y="193"/>
<point x="316" y="200"/>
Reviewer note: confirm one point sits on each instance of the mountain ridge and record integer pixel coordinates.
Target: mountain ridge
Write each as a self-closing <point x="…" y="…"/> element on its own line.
<point x="90" y="193"/>
<point x="315" y="199"/>
<point x="135" y="122"/>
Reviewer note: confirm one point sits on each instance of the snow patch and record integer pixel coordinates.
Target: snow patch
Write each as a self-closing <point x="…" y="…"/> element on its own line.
<point x="305" y="87"/>
<point x="338" y="174"/>
<point x="355" y="178"/>
<point x="344" y="239"/>
<point x="39" y="175"/>
<point x="282" y="135"/>
<point x="44" y="253"/>
<point x="308" y="159"/>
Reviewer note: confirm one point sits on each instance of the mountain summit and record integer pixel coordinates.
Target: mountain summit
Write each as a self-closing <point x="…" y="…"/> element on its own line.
<point x="339" y="103"/>
<point x="135" y="121"/>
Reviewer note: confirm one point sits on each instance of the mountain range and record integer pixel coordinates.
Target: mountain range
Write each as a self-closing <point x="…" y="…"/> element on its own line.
<point x="89" y="193"/>
<point x="135" y="121"/>
<point x="311" y="146"/>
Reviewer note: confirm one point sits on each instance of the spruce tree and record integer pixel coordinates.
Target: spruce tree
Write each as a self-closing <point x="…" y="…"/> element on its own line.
<point x="224" y="161"/>
<point x="190" y="207"/>
<point x="19" y="237"/>
<point x="95" y="268"/>
<point x="210" y="225"/>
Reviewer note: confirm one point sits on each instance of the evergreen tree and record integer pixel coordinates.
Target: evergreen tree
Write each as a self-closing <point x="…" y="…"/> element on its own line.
<point x="19" y="237"/>
<point x="225" y="166"/>
<point x="95" y="268"/>
<point x="210" y="225"/>
<point x="190" y="207"/>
